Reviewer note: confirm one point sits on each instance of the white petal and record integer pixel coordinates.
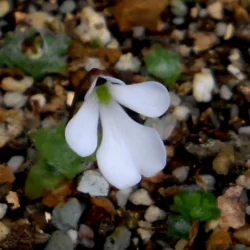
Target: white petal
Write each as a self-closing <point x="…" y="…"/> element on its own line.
<point x="113" y="156"/>
<point x="81" y="131"/>
<point x="148" y="98"/>
<point x="134" y="145"/>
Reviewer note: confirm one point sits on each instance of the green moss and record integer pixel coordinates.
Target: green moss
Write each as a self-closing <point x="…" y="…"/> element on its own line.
<point x="103" y="94"/>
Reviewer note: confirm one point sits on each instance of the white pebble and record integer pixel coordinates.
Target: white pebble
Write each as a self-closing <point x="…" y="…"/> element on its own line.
<point x="175" y="100"/>
<point x="122" y="196"/>
<point x="141" y="197"/>
<point x="3" y="210"/>
<point x="92" y="27"/>
<point x="128" y="62"/>
<point x="181" y="113"/>
<point x="39" y="99"/>
<point x="181" y="173"/>
<point x="93" y="183"/>
<point x="225" y="92"/>
<point x="67" y="6"/>
<point x="14" y="100"/>
<point x="154" y="213"/>
<point x="145" y="234"/>
<point x="203" y="85"/>
<point x="235" y="72"/>
<point x="73" y="235"/>
<point x="93" y="62"/>
<point x="15" y="163"/>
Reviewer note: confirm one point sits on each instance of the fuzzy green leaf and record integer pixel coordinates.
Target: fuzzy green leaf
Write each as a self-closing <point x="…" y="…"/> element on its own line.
<point x="198" y="205"/>
<point x="41" y="178"/>
<point x="163" y="64"/>
<point x="177" y="227"/>
<point x="54" y="150"/>
<point x="52" y="60"/>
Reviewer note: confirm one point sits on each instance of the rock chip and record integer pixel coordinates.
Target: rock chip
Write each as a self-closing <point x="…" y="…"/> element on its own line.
<point x="133" y="13"/>
<point x="181" y="173"/>
<point x="14" y="100"/>
<point x="128" y="62"/>
<point x="145" y="234"/>
<point x="59" y="241"/>
<point x="11" y="84"/>
<point x="154" y="213"/>
<point x="3" y="210"/>
<point x="15" y="162"/>
<point x="118" y="240"/>
<point x="65" y="216"/>
<point x="93" y="183"/>
<point x="141" y="197"/>
<point x="4" y="231"/>
<point x="215" y="10"/>
<point x="67" y="6"/>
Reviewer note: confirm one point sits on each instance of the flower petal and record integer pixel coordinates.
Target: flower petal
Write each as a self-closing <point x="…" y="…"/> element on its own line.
<point x="81" y="131"/>
<point x="149" y="98"/>
<point x="133" y="146"/>
<point x="113" y="156"/>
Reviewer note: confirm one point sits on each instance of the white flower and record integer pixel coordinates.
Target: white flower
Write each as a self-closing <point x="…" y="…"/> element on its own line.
<point x="128" y="149"/>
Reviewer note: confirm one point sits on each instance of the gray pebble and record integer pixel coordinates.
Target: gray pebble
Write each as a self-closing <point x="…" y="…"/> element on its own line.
<point x="59" y="241"/>
<point x="14" y="100"/>
<point x="65" y="216"/>
<point x="67" y="6"/>
<point x="118" y="240"/>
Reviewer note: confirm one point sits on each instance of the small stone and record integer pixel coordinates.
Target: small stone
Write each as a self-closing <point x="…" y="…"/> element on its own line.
<point x="4" y="7"/>
<point x="59" y="241"/>
<point x="242" y="235"/>
<point x="38" y="100"/>
<point x="230" y="31"/>
<point x="141" y="197"/>
<point x="6" y="175"/>
<point x="181" y="113"/>
<point x="145" y="234"/>
<point x="70" y="98"/>
<point x="3" y="210"/>
<point x="4" y="231"/>
<point x="215" y="10"/>
<point x="236" y="72"/>
<point x="175" y="100"/>
<point x="93" y="62"/>
<point x="244" y="131"/>
<point x="86" y="236"/>
<point x="65" y="216"/>
<point x="15" y="162"/>
<point x="118" y="240"/>
<point x="154" y="213"/>
<point x="11" y="84"/>
<point x="225" y="93"/>
<point x="13" y="200"/>
<point x="67" y="6"/>
<point x="93" y="183"/>
<point x="204" y="41"/>
<point x="248" y="210"/>
<point x="14" y="100"/>
<point x="181" y="173"/>
<point x="221" y="29"/>
<point x="179" y="8"/>
<point x="138" y="31"/>
<point x="38" y="19"/>
<point x="203" y="85"/>
<point x="122" y="196"/>
<point x="244" y="180"/>
<point x="144" y="224"/>
<point x="73" y="235"/>
<point x="209" y="181"/>
<point x="180" y="245"/>
<point x="164" y="126"/>
<point x="128" y="62"/>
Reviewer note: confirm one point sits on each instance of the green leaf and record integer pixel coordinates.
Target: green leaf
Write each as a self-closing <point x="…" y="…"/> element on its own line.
<point x="163" y="64"/>
<point x="52" y="59"/>
<point x="41" y="178"/>
<point x="54" y="150"/>
<point x="177" y="227"/>
<point x="198" y="205"/>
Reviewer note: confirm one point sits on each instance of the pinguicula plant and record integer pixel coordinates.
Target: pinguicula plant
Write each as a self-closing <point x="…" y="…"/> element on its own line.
<point x="190" y="206"/>
<point x="128" y="149"/>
